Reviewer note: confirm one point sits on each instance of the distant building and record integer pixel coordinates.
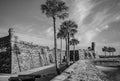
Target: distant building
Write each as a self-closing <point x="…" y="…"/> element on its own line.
<point x="74" y="53"/>
<point x="17" y="55"/>
<point x="89" y="53"/>
<point x="79" y="54"/>
<point x="93" y="46"/>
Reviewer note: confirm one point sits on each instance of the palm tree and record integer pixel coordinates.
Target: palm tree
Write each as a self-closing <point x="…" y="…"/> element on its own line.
<point x="113" y="50"/>
<point x="60" y="36"/>
<point x="104" y="49"/>
<point x="74" y="42"/>
<point x="69" y="28"/>
<point x="54" y="9"/>
<point x="109" y="50"/>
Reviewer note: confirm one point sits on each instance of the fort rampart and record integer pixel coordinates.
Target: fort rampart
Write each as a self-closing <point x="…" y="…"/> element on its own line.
<point x="17" y="55"/>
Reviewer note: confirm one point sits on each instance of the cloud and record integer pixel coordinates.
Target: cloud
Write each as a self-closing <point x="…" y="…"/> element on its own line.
<point x="81" y="9"/>
<point x="35" y="39"/>
<point x="30" y="30"/>
<point x="90" y="35"/>
<point x="94" y="16"/>
<point x="49" y="31"/>
<point x="3" y="32"/>
<point x="24" y="28"/>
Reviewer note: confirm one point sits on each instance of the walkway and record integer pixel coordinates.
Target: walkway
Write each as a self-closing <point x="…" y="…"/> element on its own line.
<point x="46" y="73"/>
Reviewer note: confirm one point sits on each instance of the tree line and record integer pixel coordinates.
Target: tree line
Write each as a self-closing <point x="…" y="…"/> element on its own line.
<point x="109" y="50"/>
<point x="58" y="9"/>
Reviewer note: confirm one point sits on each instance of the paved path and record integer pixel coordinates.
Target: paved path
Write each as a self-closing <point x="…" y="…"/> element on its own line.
<point x="43" y="71"/>
<point x="46" y="72"/>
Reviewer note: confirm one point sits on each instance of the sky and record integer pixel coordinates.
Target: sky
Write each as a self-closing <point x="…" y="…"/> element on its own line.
<point x="98" y="21"/>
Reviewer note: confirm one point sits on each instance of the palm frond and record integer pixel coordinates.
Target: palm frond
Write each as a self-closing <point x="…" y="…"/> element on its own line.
<point x="70" y="27"/>
<point x="63" y="15"/>
<point x="74" y="42"/>
<point x="44" y="8"/>
<point x="62" y="7"/>
<point x="55" y="8"/>
<point x="61" y="34"/>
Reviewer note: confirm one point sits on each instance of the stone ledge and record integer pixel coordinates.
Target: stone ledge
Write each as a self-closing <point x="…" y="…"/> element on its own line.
<point x="82" y="70"/>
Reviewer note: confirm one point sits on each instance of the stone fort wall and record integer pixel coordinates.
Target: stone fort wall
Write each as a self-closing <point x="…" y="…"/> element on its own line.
<point x="5" y="55"/>
<point x="19" y="55"/>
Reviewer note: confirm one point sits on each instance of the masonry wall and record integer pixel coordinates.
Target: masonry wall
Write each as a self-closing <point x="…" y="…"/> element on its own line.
<point x="17" y="55"/>
<point x="26" y="56"/>
<point x="5" y="55"/>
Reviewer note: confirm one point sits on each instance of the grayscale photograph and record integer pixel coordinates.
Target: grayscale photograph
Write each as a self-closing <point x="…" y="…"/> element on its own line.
<point x="59" y="40"/>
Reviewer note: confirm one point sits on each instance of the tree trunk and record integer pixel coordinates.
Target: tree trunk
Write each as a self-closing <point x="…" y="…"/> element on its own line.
<point x="61" y="51"/>
<point x="105" y="53"/>
<point x="55" y="46"/>
<point x="112" y="53"/>
<point x="73" y="53"/>
<point x="68" y="49"/>
<point x="109" y="53"/>
<point x="66" y="53"/>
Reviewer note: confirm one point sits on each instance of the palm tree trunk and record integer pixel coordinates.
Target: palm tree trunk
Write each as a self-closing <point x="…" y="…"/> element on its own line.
<point x="61" y="51"/>
<point x="112" y="53"/>
<point x="55" y="46"/>
<point x="68" y="49"/>
<point x="109" y="53"/>
<point x="105" y="53"/>
<point x="66" y="52"/>
<point x="73" y="53"/>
